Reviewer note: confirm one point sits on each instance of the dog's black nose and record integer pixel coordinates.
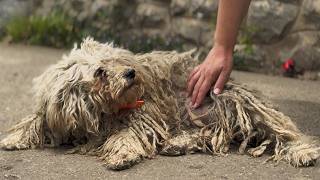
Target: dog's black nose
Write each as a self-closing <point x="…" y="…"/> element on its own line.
<point x="130" y="74"/>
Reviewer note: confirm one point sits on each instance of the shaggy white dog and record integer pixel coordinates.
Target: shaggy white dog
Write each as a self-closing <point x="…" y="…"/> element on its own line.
<point x="85" y="100"/>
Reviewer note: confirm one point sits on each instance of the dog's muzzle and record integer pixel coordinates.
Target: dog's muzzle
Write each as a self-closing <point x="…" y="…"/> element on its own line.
<point x="130" y="74"/>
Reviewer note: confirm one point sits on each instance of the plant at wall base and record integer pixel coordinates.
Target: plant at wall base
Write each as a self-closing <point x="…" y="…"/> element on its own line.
<point x="213" y="20"/>
<point x="246" y="34"/>
<point x="2" y="34"/>
<point x="55" y="30"/>
<point x="18" y="29"/>
<point x="239" y="62"/>
<point x="240" y="57"/>
<point x="245" y="39"/>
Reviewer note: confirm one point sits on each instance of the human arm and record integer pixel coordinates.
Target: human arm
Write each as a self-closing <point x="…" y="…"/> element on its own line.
<point x="217" y="66"/>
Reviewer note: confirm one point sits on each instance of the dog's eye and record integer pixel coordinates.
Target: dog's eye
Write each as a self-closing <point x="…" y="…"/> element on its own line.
<point x="100" y="73"/>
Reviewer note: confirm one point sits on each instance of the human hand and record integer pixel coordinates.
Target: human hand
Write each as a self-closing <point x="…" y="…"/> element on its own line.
<point x="215" y="69"/>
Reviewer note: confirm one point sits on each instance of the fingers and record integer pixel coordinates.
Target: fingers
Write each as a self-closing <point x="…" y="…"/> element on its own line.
<point x="221" y="81"/>
<point x="191" y="83"/>
<point x="202" y="93"/>
<point x="204" y="88"/>
<point x="196" y="89"/>
<point x="193" y="72"/>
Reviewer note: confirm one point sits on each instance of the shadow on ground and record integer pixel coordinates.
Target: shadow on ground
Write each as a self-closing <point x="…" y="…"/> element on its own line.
<point x="304" y="113"/>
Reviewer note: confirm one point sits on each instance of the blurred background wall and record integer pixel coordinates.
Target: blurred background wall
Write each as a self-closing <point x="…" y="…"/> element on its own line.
<point x="273" y="31"/>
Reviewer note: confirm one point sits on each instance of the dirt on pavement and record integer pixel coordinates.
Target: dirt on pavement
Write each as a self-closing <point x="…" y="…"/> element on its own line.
<point x="20" y="64"/>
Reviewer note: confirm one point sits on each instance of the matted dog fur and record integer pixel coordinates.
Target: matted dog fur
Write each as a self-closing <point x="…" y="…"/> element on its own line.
<point x="78" y="102"/>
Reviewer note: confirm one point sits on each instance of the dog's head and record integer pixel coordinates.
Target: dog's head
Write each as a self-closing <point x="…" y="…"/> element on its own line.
<point x="93" y="79"/>
<point x="116" y="82"/>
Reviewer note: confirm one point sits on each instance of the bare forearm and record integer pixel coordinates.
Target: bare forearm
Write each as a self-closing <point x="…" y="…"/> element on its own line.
<point x="216" y="68"/>
<point x="230" y="15"/>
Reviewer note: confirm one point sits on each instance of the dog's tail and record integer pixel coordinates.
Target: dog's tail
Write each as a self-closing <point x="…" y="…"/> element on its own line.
<point x="28" y="133"/>
<point x="301" y="152"/>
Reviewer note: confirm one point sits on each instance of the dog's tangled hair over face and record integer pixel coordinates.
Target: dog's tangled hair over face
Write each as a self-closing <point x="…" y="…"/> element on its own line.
<point x="79" y="102"/>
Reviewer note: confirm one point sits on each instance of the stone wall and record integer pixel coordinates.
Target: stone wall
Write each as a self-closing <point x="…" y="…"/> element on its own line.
<point x="274" y="30"/>
<point x="189" y="23"/>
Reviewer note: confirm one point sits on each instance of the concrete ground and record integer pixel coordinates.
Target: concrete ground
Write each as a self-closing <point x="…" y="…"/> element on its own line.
<point x="20" y="64"/>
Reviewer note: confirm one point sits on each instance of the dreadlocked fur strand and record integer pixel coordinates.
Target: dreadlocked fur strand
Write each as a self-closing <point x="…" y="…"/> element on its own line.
<point x="79" y="100"/>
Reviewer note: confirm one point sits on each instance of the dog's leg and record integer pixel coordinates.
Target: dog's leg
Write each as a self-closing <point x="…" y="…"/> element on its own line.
<point x="182" y="144"/>
<point x="26" y="134"/>
<point x="124" y="149"/>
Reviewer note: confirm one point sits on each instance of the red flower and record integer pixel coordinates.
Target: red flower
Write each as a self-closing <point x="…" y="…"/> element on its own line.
<point x="288" y="65"/>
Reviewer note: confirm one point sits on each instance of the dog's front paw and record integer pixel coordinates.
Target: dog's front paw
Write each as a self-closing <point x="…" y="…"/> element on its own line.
<point x="14" y="142"/>
<point x="174" y="150"/>
<point x="24" y="135"/>
<point x="123" y="161"/>
<point x="181" y="145"/>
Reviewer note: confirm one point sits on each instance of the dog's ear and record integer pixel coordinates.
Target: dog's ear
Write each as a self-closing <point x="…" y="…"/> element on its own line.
<point x="100" y="73"/>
